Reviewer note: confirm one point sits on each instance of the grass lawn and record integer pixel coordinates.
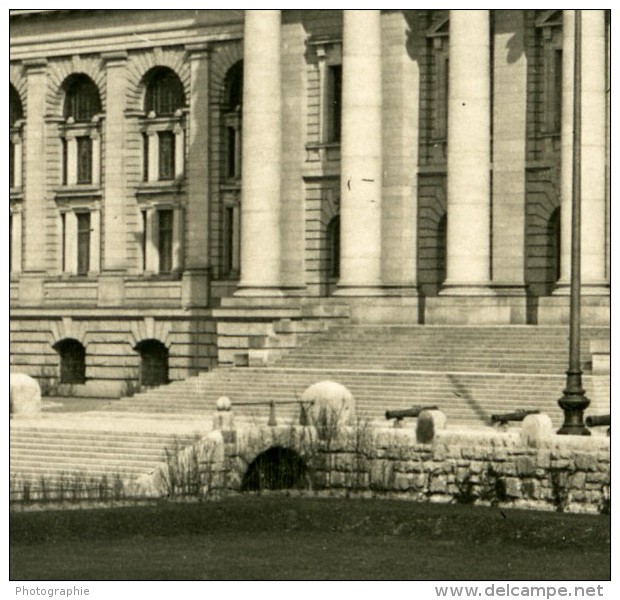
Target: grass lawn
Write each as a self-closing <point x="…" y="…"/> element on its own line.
<point x="278" y="537"/>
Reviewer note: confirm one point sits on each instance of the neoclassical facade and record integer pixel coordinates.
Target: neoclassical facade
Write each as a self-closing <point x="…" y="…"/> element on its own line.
<point x="180" y="174"/>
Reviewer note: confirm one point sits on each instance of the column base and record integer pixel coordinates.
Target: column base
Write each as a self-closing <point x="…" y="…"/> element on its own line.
<point x="555" y="310"/>
<point x="111" y="289"/>
<point x="466" y="289"/>
<point x="259" y="292"/>
<point x="359" y="291"/>
<point x="483" y="309"/>
<point x="587" y="289"/>
<point x="195" y="291"/>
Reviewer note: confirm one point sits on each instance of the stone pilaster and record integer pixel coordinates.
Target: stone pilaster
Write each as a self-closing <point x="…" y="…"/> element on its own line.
<point x="361" y="155"/>
<point x="195" y="276"/>
<point x="31" y="286"/>
<point x="262" y="155"/>
<point x="114" y="243"/>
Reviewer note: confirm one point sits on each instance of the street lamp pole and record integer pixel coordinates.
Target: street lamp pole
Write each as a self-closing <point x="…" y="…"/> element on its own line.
<point x="574" y="401"/>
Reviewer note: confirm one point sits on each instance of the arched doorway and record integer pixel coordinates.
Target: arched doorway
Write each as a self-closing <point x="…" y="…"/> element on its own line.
<point x="72" y="361"/>
<point x="153" y="362"/>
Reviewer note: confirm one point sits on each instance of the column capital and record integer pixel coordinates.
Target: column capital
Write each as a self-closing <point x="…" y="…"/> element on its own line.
<point x="198" y="50"/>
<point x="114" y="58"/>
<point x="34" y="66"/>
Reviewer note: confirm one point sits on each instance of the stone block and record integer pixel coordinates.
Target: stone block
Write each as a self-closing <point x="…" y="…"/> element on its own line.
<point x="525" y="466"/>
<point x="535" y="428"/>
<point x="513" y="487"/>
<point x="586" y="462"/>
<point x="429" y="423"/>
<point x="24" y="396"/>
<point x="438" y="485"/>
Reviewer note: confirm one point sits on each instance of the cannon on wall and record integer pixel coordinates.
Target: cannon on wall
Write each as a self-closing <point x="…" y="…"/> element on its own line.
<point x="518" y="415"/>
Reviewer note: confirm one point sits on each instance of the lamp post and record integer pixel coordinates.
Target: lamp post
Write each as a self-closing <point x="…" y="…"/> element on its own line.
<point x="574" y="401"/>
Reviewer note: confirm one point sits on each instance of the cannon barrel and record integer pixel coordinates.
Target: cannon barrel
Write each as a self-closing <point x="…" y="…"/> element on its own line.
<point x="414" y="411"/>
<point x="598" y="420"/>
<point x="518" y="415"/>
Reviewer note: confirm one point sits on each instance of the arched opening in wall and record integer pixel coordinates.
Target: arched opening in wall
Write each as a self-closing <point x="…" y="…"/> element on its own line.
<point x="80" y="131"/>
<point x="333" y="248"/>
<point x="16" y="114"/>
<point x="554" y="234"/>
<point x="153" y="362"/>
<point x="72" y="361"/>
<point x="277" y="468"/>
<point x="441" y="248"/>
<point x="164" y="92"/>
<point x="82" y="101"/>
<point x="232" y="111"/>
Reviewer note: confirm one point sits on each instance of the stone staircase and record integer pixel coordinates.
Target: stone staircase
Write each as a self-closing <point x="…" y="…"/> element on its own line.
<point x="469" y="372"/>
<point x="88" y="453"/>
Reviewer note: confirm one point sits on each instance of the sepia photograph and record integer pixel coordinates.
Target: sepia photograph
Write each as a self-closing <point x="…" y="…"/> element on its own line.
<point x="315" y="294"/>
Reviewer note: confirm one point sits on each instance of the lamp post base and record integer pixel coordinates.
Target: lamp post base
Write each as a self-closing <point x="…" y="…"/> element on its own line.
<point x="573" y="403"/>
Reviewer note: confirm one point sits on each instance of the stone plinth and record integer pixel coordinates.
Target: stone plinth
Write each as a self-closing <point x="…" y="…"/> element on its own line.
<point x="25" y="396"/>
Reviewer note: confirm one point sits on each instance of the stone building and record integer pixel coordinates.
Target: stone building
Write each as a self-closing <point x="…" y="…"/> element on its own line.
<point x="184" y="181"/>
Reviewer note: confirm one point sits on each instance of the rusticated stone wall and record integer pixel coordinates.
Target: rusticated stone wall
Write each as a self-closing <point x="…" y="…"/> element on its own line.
<point x="512" y="467"/>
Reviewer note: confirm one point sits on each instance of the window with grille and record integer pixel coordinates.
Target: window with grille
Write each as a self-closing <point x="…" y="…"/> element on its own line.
<point x="334" y="102"/>
<point x="165" y="218"/>
<point x="233" y="102"/>
<point x="83" y="243"/>
<point x="16" y="114"/>
<point x="84" y="159"/>
<point x="82" y="100"/>
<point x="166" y="155"/>
<point x="164" y="92"/>
<point x="333" y="247"/>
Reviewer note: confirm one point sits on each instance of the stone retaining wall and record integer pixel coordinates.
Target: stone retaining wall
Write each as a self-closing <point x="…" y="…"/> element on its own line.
<point x="475" y="466"/>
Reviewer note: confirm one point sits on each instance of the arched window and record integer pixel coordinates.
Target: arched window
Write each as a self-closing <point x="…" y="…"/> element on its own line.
<point x="333" y="247"/>
<point x="153" y="362"/>
<point x="80" y="134"/>
<point x="164" y="92"/>
<point x="233" y="103"/>
<point x="72" y="361"/>
<point x="16" y="115"/>
<point x="82" y="100"/>
<point x="553" y="245"/>
<point x="15" y="107"/>
<point x="163" y="132"/>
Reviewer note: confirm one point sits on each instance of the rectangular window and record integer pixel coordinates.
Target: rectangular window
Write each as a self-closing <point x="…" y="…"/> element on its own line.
<point x="442" y="69"/>
<point x="83" y="243"/>
<point x="165" y="240"/>
<point x="64" y="162"/>
<point x="229" y="226"/>
<point x="144" y="237"/>
<point x="84" y="159"/>
<point x="11" y="164"/>
<point x="231" y="159"/>
<point x="10" y="243"/>
<point x="145" y="157"/>
<point x="557" y="90"/>
<point x="166" y="155"/>
<point x="334" y="102"/>
<point x="63" y="253"/>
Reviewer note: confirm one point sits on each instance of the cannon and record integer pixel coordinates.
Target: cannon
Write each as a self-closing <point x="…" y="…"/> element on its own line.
<point x="599" y="421"/>
<point x="414" y="411"/>
<point x="517" y="415"/>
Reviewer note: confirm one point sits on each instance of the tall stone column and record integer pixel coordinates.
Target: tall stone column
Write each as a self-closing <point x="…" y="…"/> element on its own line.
<point x="361" y="155"/>
<point x="593" y="135"/>
<point x="262" y="155"/>
<point x="195" y="275"/>
<point x="468" y="252"/>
